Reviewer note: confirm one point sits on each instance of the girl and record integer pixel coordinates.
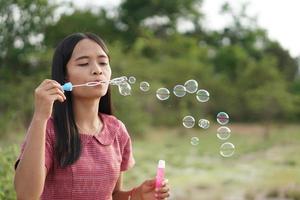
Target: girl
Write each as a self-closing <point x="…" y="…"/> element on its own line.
<point x="75" y="148"/>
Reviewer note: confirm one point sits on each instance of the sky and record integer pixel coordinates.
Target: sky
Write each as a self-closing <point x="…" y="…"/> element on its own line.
<point x="278" y="17"/>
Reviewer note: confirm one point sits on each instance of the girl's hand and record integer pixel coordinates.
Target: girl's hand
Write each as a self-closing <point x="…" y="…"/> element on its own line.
<point x="147" y="191"/>
<point x="163" y="192"/>
<point x="45" y="95"/>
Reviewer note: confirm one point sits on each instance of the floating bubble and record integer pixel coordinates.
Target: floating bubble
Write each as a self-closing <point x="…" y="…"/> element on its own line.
<point x="179" y="90"/>
<point x="202" y="95"/>
<point x="131" y="80"/>
<point x="203" y="123"/>
<point x="227" y="149"/>
<point x="222" y="118"/>
<point x="124" y="89"/>
<point x="162" y="94"/>
<point x="223" y="133"/>
<point x="194" y="141"/>
<point x="191" y="86"/>
<point x="118" y="80"/>
<point x="188" y="121"/>
<point x="144" y="86"/>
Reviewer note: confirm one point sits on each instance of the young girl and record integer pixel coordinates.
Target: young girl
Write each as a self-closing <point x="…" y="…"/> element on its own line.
<point x="75" y="148"/>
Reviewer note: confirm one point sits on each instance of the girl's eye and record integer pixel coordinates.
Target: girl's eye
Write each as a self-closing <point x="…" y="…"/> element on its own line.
<point x="83" y="64"/>
<point x="103" y="63"/>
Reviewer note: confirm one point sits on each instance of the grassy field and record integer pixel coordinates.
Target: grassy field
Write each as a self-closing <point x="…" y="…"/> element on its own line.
<point x="261" y="168"/>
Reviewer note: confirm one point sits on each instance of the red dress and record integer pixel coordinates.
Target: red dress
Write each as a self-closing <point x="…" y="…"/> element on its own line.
<point x="95" y="174"/>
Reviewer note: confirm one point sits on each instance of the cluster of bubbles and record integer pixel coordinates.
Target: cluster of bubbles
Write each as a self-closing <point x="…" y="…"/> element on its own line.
<point x="223" y="132"/>
<point x="124" y="87"/>
<point x="189" y="122"/>
<point x="191" y="86"/>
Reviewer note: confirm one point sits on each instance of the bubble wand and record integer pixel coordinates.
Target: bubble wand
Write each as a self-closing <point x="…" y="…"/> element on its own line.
<point x="116" y="81"/>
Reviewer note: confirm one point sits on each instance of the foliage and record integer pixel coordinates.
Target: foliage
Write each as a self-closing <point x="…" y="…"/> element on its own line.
<point x="7" y="158"/>
<point x="99" y="23"/>
<point x="160" y="17"/>
<point x="247" y="74"/>
<point x="22" y="25"/>
<point x="257" y="168"/>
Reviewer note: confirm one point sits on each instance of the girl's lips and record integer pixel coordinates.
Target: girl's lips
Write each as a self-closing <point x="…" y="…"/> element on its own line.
<point x="99" y="81"/>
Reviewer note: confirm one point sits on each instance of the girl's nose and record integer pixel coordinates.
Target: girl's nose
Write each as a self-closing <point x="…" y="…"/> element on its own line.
<point x="96" y="69"/>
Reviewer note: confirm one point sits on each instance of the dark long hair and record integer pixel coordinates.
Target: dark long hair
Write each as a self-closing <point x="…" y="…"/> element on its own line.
<point x="68" y="144"/>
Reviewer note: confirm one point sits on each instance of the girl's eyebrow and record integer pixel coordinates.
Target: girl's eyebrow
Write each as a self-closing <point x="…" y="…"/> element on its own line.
<point x="82" y="57"/>
<point x="102" y="56"/>
<point x="87" y="57"/>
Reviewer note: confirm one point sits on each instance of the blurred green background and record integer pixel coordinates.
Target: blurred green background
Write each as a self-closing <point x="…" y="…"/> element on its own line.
<point x="249" y="76"/>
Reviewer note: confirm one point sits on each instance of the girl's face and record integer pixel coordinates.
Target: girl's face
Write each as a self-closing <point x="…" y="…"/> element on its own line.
<point x="88" y="63"/>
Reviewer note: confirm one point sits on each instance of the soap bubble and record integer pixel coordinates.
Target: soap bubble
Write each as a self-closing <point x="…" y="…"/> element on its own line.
<point x="194" y="141"/>
<point x="124" y="89"/>
<point x="223" y="133"/>
<point x="131" y="80"/>
<point x="162" y="94"/>
<point x="179" y="90"/>
<point x="203" y="123"/>
<point x="191" y="86"/>
<point x="227" y="149"/>
<point x="222" y="118"/>
<point x="118" y="80"/>
<point x="144" y="86"/>
<point x="188" y="121"/>
<point x="202" y="95"/>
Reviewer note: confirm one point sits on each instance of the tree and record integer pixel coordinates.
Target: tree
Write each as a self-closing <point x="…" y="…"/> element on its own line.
<point x="161" y="17"/>
<point x="287" y="65"/>
<point x="245" y="32"/>
<point x="22" y="24"/>
<point x="22" y="27"/>
<point x="96" y="22"/>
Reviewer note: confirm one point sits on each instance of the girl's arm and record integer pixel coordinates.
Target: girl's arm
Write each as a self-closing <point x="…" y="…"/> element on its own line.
<point x="146" y="191"/>
<point x="31" y="170"/>
<point x="118" y="194"/>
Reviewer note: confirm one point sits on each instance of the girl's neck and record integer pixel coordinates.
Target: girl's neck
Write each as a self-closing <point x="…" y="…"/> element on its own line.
<point x="86" y="114"/>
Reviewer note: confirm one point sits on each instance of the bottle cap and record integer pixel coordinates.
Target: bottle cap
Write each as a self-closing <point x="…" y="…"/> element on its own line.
<point x="161" y="164"/>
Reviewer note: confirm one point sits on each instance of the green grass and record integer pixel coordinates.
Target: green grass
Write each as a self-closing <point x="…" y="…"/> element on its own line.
<point x="260" y="167"/>
<point x="7" y="160"/>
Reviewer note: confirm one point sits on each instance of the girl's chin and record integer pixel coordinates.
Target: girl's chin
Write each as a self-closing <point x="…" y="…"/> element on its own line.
<point x="92" y="95"/>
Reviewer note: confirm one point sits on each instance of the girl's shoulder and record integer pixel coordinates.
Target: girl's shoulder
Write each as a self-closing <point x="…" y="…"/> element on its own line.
<point x="111" y="121"/>
<point x="114" y="124"/>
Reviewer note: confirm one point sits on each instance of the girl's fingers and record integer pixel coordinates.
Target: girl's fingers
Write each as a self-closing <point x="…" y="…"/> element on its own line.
<point x="163" y="190"/>
<point x="48" y="85"/>
<point x="56" y="91"/>
<point x="164" y="186"/>
<point x="162" y="193"/>
<point x="165" y="182"/>
<point x="57" y="97"/>
<point x="162" y="196"/>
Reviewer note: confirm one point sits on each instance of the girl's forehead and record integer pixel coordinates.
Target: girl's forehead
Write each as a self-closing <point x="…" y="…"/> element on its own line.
<point x="87" y="47"/>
